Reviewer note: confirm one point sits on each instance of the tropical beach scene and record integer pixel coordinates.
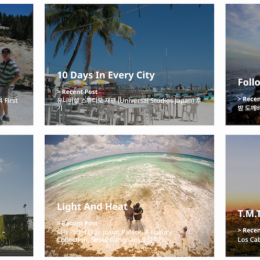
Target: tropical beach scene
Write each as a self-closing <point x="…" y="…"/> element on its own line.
<point x="242" y="64"/>
<point x="16" y="68"/>
<point x="129" y="196"/>
<point x="106" y="65"/>
<point x="16" y="196"/>
<point x="242" y="196"/>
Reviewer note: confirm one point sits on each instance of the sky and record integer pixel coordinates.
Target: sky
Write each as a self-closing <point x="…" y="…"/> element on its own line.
<point x="242" y="172"/>
<point x="16" y="9"/>
<point x="62" y="151"/>
<point x="16" y="174"/>
<point x="243" y="31"/>
<point x="187" y="32"/>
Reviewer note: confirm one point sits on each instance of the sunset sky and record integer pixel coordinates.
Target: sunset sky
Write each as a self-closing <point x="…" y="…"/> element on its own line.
<point x="242" y="172"/>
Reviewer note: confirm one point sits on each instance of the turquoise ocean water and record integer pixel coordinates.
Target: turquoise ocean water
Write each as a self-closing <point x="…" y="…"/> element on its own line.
<point x="174" y="190"/>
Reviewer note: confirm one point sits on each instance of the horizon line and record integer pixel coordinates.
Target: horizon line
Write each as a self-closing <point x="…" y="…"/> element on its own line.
<point x="124" y="153"/>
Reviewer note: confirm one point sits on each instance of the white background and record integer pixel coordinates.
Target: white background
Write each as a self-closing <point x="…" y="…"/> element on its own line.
<point x="39" y="130"/>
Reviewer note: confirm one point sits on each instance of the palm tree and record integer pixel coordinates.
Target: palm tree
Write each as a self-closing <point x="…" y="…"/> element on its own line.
<point x="73" y="22"/>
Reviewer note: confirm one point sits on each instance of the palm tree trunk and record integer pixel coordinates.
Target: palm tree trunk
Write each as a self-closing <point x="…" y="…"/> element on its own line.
<point x="74" y="53"/>
<point x="89" y="47"/>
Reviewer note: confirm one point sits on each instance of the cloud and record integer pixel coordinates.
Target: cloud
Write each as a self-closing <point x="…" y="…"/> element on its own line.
<point x="77" y="146"/>
<point x="81" y="148"/>
<point x="242" y="48"/>
<point x="243" y="19"/>
<point x="243" y="30"/>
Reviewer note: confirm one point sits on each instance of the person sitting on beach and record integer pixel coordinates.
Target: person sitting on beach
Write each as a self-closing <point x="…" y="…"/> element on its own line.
<point x="129" y="213"/>
<point x="183" y="234"/>
<point x="138" y="214"/>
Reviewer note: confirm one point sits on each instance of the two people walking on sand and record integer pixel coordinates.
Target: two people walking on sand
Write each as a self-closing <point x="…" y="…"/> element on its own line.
<point x="133" y="213"/>
<point x="136" y="213"/>
<point x="9" y="74"/>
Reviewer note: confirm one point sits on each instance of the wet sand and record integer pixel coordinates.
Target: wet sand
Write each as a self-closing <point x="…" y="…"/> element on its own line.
<point x="89" y="248"/>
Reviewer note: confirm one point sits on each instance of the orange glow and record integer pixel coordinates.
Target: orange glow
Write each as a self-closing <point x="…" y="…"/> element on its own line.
<point x="242" y="200"/>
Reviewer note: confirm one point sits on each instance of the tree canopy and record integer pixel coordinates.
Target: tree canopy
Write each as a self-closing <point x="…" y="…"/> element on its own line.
<point x="20" y="26"/>
<point x="14" y="228"/>
<point x="71" y="22"/>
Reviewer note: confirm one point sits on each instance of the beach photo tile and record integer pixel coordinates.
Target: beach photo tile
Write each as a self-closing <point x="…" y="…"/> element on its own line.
<point x="242" y="196"/>
<point x="16" y="196"/>
<point x="242" y="63"/>
<point x="129" y="196"/>
<point x="115" y="64"/>
<point x="16" y="66"/>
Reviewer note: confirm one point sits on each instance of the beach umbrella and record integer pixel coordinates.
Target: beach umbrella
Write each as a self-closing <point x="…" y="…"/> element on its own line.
<point x="99" y="82"/>
<point x="76" y="82"/>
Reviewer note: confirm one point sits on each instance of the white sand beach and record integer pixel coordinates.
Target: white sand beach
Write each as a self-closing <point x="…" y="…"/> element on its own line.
<point x="21" y="113"/>
<point x="205" y="112"/>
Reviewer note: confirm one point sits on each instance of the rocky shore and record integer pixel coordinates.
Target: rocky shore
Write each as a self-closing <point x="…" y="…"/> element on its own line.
<point x="240" y="115"/>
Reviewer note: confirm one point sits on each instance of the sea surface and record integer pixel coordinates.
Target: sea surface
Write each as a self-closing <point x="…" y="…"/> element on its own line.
<point x="174" y="190"/>
<point x="235" y="69"/>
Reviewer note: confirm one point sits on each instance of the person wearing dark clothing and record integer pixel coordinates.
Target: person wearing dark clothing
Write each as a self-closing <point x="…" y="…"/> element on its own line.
<point x="138" y="215"/>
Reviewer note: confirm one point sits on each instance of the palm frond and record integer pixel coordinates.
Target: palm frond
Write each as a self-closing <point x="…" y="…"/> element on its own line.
<point x="65" y="36"/>
<point x="87" y="49"/>
<point x="70" y="42"/>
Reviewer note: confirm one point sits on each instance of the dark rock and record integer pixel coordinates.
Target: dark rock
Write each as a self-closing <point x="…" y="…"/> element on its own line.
<point x="257" y="119"/>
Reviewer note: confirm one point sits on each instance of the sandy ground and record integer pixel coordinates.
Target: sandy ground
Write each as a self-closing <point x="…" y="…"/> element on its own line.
<point x="205" y="112"/>
<point x="21" y="113"/>
<point x="90" y="248"/>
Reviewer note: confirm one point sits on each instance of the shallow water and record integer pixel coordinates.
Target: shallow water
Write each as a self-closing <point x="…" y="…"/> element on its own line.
<point x="174" y="191"/>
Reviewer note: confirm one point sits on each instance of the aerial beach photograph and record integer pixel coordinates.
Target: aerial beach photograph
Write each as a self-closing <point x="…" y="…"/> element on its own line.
<point x="242" y="196"/>
<point x="107" y="66"/>
<point x="242" y="64"/>
<point x="129" y="196"/>
<point x="16" y="196"/>
<point x="16" y="66"/>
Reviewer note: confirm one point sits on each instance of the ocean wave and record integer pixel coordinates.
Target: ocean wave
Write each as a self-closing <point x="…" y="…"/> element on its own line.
<point x="170" y="202"/>
<point x="127" y="158"/>
<point x="53" y="175"/>
<point x="141" y="171"/>
<point x="85" y="166"/>
<point x="198" y="161"/>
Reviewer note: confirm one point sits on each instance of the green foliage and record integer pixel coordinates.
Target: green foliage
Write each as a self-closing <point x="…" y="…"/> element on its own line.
<point x="27" y="78"/>
<point x="21" y="26"/>
<point x="72" y="22"/>
<point x="5" y="33"/>
<point x="15" y="228"/>
<point x="2" y="235"/>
